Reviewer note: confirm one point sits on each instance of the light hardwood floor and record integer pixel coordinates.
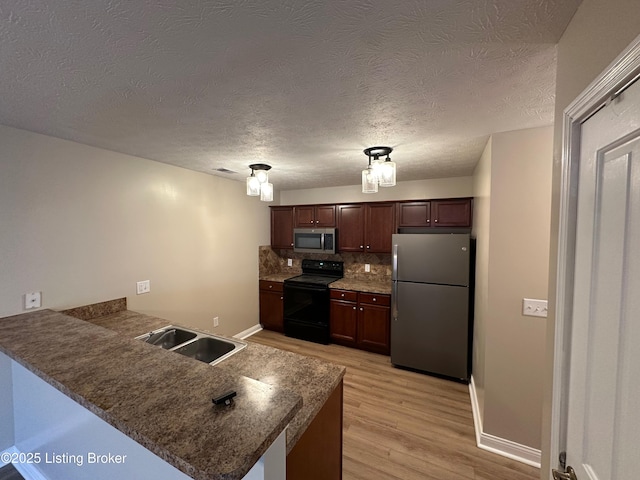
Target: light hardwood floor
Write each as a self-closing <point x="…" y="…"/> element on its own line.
<point x="402" y="425"/>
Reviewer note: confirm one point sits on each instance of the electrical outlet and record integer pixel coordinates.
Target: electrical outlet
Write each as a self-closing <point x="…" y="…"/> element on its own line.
<point x="534" y="308"/>
<point x="289" y="262"/>
<point x="32" y="300"/>
<point x="367" y="267"/>
<point x="143" y="287"/>
<point x="216" y="321"/>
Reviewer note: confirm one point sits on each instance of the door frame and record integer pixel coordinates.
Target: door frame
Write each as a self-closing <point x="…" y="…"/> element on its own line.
<point x="608" y="85"/>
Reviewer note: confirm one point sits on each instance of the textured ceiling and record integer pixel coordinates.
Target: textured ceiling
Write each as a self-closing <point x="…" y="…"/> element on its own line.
<point x="304" y="86"/>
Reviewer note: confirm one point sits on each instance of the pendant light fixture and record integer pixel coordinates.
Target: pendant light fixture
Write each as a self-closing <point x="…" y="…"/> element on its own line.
<point x="258" y="182"/>
<point x="382" y="173"/>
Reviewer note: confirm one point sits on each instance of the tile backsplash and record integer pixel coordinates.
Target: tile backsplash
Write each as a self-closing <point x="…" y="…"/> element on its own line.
<point x="274" y="261"/>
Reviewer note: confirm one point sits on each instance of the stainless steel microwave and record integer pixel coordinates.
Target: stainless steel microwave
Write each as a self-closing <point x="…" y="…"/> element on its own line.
<point x="314" y="240"/>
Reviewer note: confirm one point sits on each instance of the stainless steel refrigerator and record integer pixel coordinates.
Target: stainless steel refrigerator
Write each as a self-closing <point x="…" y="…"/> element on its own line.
<point x="431" y="321"/>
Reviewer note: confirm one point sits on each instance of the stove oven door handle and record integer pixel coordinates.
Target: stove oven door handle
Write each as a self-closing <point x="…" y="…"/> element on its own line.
<point x="298" y="286"/>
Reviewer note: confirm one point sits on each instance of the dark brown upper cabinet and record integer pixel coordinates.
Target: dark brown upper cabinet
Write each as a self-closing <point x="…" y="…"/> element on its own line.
<point x="366" y="227"/>
<point x="350" y="227"/>
<point x="281" y="227"/>
<point x="414" y="214"/>
<point x="451" y="213"/>
<point x="320" y="216"/>
<point x="454" y="212"/>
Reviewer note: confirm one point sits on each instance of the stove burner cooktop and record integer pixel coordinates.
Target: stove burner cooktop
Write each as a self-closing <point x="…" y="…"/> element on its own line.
<point x="309" y="279"/>
<point x="318" y="272"/>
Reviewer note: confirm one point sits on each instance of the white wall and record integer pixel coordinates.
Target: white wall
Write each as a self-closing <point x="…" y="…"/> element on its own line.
<point x="414" y="189"/>
<point x="82" y="225"/>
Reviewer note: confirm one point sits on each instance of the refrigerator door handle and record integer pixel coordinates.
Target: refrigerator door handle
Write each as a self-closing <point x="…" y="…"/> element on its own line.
<point x="394" y="301"/>
<point x="394" y="260"/>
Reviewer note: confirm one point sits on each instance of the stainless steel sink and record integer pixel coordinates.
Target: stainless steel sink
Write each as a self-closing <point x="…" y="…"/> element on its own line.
<point x="205" y="347"/>
<point x="168" y="338"/>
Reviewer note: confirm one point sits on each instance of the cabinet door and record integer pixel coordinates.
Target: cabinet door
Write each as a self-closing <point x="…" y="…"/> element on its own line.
<point x="325" y="216"/>
<point x="304" y="216"/>
<point x="373" y="328"/>
<point x="282" y="227"/>
<point x="451" y="213"/>
<point x="271" y="310"/>
<point x="379" y="226"/>
<point x="414" y="214"/>
<point x="343" y="322"/>
<point x="351" y="228"/>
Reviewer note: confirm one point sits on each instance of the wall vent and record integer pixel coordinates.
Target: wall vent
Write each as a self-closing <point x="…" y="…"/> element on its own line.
<point x="224" y="170"/>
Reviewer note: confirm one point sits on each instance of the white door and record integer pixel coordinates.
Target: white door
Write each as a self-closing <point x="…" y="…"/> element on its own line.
<point x="603" y="421"/>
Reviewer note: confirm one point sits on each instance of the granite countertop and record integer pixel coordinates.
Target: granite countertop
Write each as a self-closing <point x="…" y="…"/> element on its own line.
<point x="360" y="284"/>
<point x="363" y="285"/>
<point x="312" y="379"/>
<point x="124" y="382"/>
<point x="278" y="277"/>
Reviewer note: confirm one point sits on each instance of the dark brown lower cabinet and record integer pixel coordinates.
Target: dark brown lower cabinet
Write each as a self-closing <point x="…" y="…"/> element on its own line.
<point x="318" y="453"/>
<point x="271" y="305"/>
<point x="360" y="320"/>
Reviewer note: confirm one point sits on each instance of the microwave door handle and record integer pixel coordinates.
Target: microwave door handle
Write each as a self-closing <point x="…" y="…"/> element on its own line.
<point x="322" y="242"/>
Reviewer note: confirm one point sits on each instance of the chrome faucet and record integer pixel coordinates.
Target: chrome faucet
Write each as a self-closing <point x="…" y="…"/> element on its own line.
<point x="155" y="338"/>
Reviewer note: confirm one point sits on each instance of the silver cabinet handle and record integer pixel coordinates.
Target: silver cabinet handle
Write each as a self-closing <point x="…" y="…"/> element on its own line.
<point x="436" y="220"/>
<point x="361" y="309"/>
<point x="375" y="299"/>
<point x="270" y="286"/>
<point x="354" y="308"/>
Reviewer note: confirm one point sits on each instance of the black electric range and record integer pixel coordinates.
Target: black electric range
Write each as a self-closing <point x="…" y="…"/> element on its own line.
<point x="306" y="300"/>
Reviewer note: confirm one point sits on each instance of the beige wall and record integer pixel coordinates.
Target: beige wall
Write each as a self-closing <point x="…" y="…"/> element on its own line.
<point x="513" y="263"/>
<point x="597" y="34"/>
<point x="414" y="189"/>
<point x="481" y="232"/>
<point x="82" y="225"/>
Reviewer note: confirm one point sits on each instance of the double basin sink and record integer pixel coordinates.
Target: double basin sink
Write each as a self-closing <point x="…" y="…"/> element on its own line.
<point x="205" y="347"/>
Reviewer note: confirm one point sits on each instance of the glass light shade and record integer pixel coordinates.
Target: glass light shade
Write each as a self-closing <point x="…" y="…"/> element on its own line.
<point x="387" y="173"/>
<point x="253" y="186"/>
<point x="369" y="181"/>
<point x="262" y="176"/>
<point x="266" y="192"/>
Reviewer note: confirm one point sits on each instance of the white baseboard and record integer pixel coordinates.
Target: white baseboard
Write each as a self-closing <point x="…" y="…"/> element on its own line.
<point x="500" y="446"/>
<point x="248" y="332"/>
<point x="29" y="471"/>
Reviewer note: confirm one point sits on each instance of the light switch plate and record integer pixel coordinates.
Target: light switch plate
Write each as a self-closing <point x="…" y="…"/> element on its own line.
<point x="32" y="300"/>
<point x="143" y="287"/>
<point x="534" y="308"/>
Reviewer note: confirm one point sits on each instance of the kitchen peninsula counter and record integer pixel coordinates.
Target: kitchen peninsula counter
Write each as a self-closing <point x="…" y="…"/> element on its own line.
<point x="312" y="379"/>
<point x="125" y="382"/>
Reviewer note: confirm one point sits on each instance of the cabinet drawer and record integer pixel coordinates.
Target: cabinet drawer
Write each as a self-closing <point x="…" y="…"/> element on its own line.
<point x="375" y="299"/>
<point x="271" y="286"/>
<point x="347" y="295"/>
